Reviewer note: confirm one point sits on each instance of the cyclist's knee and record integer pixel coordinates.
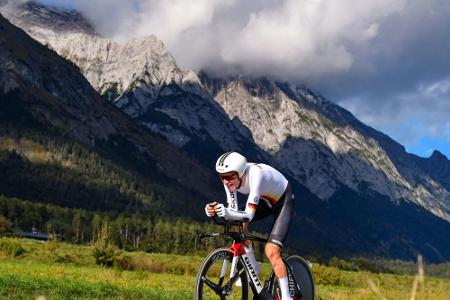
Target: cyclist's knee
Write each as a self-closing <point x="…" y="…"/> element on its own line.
<point x="272" y="251"/>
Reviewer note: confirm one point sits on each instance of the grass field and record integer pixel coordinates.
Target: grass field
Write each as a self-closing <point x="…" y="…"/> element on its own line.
<point x="66" y="271"/>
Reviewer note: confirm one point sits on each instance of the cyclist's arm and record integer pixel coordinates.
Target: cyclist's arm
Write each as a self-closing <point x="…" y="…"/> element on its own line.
<point x="248" y="213"/>
<point x="232" y="201"/>
<point x="252" y="201"/>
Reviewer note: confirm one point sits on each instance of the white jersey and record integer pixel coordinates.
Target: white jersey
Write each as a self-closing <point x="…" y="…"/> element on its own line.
<point x="260" y="181"/>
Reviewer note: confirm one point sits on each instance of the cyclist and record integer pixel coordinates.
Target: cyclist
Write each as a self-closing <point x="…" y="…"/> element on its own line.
<point x="269" y="193"/>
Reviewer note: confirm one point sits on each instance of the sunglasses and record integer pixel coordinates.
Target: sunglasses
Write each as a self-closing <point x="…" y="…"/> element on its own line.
<point x="228" y="177"/>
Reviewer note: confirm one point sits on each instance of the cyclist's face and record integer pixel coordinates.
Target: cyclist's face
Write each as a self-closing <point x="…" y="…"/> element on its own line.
<point x="231" y="180"/>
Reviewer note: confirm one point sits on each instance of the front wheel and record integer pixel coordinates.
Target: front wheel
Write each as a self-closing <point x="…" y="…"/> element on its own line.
<point x="213" y="276"/>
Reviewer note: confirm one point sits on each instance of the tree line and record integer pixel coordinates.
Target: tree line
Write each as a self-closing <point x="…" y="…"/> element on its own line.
<point x="129" y="231"/>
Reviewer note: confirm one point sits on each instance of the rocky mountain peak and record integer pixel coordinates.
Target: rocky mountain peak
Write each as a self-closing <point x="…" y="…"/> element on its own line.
<point x="31" y="14"/>
<point x="28" y="66"/>
<point x="437" y="156"/>
<point x="110" y="67"/>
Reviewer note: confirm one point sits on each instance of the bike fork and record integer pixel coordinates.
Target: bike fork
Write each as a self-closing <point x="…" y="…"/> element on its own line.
<point x="223" y="271"/>
<point x="234" y="262"/>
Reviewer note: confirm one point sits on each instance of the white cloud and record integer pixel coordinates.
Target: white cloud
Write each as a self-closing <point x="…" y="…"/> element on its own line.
<point x="289" y="39"/>
<point x="437" y="89"/>
<point x="387" y="61"/>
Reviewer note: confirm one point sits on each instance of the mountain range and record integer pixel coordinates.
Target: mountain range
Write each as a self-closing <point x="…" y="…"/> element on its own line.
<point x="358" y="191"/>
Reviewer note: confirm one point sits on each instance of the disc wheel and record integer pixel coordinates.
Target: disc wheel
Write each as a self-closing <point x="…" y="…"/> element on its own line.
<point x="303" y="277"/>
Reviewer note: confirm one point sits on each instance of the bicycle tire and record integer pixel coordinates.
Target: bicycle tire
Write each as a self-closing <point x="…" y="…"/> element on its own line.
<point x="211" y="268"/>
<point x="303" y="277"/>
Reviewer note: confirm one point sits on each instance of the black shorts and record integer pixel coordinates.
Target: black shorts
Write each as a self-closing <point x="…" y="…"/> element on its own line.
<point x="282" y="211"/>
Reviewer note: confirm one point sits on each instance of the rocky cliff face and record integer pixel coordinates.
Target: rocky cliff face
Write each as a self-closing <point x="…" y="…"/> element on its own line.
<point x="140" y="77"/>
<point x="24" y="62"/>
<point x="51" y="92"/>
<point x="317" y="142"/>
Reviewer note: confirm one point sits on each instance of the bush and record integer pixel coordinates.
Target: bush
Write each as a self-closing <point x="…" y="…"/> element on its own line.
<point x="374" y="266"/>
<point x="105" y="253"/>
<point x="106" y="256"/>
<point x="11" y="248"/>
<point x="5" y="225"/>
<point x="130" y="263"/>
<point x="124" y="262"/>
<point x="327" y="276"/>
<point x="342" y="264"/>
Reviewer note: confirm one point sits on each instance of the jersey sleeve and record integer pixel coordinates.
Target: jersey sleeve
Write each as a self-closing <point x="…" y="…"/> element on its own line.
<point x="255" y="182"/>
<point x="233" y="211"/>
<point x="248" y="213"/>
<point x="232" y="200"/>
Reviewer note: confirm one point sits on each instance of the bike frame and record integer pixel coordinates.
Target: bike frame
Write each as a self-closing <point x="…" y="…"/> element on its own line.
<point x="239" y="253"/>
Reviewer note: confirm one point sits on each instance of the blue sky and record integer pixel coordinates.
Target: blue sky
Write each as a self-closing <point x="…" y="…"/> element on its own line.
<point x="386" y="61"/>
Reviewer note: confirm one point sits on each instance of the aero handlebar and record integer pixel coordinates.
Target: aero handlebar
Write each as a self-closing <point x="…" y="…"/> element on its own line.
<point x="236" y="235"/>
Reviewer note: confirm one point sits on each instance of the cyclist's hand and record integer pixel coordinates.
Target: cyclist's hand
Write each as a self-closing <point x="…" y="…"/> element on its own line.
<point x="209" y="209"/>
<point x="221" y="211"/>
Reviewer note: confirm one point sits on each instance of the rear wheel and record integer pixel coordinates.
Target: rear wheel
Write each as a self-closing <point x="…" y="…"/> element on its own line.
<point x="303" y="277"/>
<point x="213" y="276"/>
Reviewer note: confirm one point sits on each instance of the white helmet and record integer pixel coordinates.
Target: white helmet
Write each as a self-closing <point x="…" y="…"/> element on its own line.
<point x="231" y="161"/>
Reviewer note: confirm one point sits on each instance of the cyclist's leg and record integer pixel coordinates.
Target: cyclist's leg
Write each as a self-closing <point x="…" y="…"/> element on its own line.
<point x="263" y="211"/>
<point x="273" y="253"/>
<point x="284" y="211"/>
<point x="283" y="218"/>
<point x="276" y="238"/>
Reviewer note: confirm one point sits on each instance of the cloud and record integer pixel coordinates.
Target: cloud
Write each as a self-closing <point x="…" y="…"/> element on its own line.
<point x="386" y="60"/>
<point x="297" y="40"/>
<point x="289" y="39"/>
<point x="340" y="47"/>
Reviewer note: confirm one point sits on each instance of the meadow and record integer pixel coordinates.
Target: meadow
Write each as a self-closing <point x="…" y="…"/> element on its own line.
<point x="54" y="270"/>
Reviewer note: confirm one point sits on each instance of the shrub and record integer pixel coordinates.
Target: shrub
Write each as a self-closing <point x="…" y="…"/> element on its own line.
<point x="130" y="263"/>
<point x="327" y="276"/>
<point x="5" y="225"/>
<point x="105" y="253"/>
<point x="106" y="256"/>
<point x="11" y="248"/>
<point x="342" y="264"/>
<point x="373" y="266"/>
<point x="124" y="262"/>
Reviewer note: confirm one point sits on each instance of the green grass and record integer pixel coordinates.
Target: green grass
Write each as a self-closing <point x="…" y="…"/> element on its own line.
<point x="24" y="279"/>
<point x="23" y="287"/>
<point x="67" y="271"/>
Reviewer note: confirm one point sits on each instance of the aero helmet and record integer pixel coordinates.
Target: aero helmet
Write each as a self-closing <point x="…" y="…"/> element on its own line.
<point x="231" y="161"/>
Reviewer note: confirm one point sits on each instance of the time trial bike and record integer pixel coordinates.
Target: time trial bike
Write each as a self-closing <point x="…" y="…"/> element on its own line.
<point x="221" y="270"/>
